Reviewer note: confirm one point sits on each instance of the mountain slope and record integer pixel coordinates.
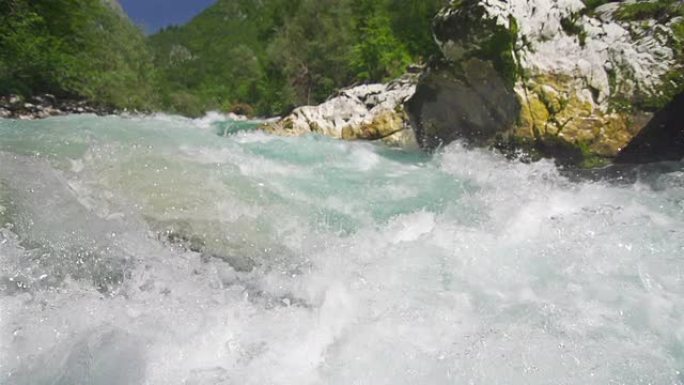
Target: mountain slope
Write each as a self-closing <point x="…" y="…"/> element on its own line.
<point x="275" y="54"/>
<point x="80" y="49"/>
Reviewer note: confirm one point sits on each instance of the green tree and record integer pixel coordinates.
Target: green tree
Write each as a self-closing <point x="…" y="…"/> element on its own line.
<point x="30" y="57"/>
<point x="292" y="52"/>
<point x="313" y="49"/>
<point x="378" y="55"/>
<point x="74" y="48"/>
<point x="412" y="25"/>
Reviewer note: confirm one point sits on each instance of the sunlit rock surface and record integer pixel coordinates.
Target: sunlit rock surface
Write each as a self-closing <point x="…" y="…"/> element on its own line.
<point x="582" y="76"/>
<point x="366" y="112"/>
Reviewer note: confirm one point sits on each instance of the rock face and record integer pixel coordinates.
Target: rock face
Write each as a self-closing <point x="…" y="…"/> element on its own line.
<point x="475" y="101"/>
<point x="366" y="112"/>
<point x="579" y="75"/>
<point x="661" y="140"/>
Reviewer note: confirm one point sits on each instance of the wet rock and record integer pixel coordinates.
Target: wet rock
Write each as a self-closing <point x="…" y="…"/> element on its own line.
<point x="366" y="112"/>
<point x="661" y="140"/>
<point x="44" y="106"/>
<point x="14" y="101"/>
<point x="582" y="76"/>
<point x="45" y="100"/>
<point x="469" y="102"/>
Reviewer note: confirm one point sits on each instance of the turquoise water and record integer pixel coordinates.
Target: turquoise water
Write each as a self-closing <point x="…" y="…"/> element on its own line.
<point x="163" y="250"/>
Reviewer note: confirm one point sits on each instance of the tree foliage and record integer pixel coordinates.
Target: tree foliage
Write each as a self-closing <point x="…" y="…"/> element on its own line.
<point x="74" y="48"/>
<point x="269" y="54"/>
<point x="297" y="51"/>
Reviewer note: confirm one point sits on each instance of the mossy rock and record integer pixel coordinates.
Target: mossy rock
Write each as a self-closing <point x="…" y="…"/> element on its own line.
<point x="469" y="102"/>
<point x="467" y="32"/>
<point x="553" y="107"/>
<point x="384" y="124"/>
<point x="284" y="127"/>
<point x="660" y="10"/>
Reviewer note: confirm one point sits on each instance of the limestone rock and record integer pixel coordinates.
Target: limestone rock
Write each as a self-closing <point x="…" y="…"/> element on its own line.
<point x="366" y="112"/>
<point x="581" y="76"/>
<point x="474" y="105"/>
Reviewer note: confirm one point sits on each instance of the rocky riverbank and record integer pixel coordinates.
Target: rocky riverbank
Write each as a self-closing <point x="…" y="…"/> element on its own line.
<point x="46" y="105"/>
<point x="553" y="78"/>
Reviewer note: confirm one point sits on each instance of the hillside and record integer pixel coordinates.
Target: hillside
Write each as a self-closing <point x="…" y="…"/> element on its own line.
<point x="271" y="55"/>
<point x="86" y="49"/>
<point x="254" y="57"/>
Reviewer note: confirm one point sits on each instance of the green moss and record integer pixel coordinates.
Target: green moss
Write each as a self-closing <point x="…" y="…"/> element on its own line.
<point x="571" y="27"/>
<point x="617" y="102"/>
<point x="661" y="10"/>
<point x="455" y="4"/>
<point x="555" y="147"/>
<point x="589" y="157"/>
<point x="593" y="4"/>
<point x="477" y="35"/>
<point x="672" y="83"/>
<point x="678" y="32"/>
<point x="620" y="104"/>
<point x="288" y="124"/>
<point x="500" y="50"/>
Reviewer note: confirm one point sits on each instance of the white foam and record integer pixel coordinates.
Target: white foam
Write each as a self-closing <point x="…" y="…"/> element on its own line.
<point x="465" y="268"/>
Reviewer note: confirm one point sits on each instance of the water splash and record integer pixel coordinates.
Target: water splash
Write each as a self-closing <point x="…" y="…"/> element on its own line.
<point x="161" y="248"/>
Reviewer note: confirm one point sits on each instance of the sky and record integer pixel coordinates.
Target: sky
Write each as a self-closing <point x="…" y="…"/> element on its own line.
<point x="153" y="15"/>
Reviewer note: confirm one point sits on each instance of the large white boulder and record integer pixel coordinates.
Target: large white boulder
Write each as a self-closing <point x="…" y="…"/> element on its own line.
<point x="367" y="112"/>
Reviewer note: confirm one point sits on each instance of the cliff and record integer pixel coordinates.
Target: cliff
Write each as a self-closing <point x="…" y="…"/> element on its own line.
<point x="560" y="77"/>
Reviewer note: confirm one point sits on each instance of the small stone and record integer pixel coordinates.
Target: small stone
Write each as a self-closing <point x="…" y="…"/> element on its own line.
<point x="50" y="99"/>
<point x="41" y="114"/>
<point x="52" y="111"/>
<point x="15" y="100"/>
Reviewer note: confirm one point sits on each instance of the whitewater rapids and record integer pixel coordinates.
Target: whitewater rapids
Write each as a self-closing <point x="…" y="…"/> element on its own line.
<point x="163" y="250"/>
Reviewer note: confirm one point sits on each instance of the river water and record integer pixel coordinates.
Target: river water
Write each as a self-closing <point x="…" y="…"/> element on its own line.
<point x="162" y="250"/>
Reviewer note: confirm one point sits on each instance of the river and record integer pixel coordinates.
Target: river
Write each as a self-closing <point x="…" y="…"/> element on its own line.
<point x="162" y="250"/>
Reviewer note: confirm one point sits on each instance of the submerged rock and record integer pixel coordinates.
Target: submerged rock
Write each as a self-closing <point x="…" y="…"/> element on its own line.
<point x="366" y="112"/>
<point x="661" y="140"/>
<point x="581" y="76"/>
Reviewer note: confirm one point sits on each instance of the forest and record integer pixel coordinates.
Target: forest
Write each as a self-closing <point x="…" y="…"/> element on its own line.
<point x="254" y="57"/>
